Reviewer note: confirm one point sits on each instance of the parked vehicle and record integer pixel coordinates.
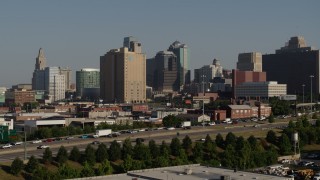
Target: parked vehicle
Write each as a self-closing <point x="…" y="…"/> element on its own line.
<point x="103" y="132"/>
<point x="49" y="140"/>
<point x="42" y="147"/>
<point x="171" y="128"/>
<point x="6" y="146"/>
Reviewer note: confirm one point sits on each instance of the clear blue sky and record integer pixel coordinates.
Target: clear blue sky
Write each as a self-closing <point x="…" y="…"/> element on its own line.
<point x="75" y="33"/>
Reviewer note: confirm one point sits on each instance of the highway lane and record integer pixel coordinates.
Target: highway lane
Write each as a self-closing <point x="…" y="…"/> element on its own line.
<point x="158" y="135"/>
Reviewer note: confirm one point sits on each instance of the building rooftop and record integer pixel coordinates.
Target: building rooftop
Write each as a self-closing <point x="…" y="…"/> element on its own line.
<point x="190" y="172"/>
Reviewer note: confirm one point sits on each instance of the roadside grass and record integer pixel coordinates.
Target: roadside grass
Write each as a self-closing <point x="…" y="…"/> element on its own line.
<point x="5" y="172"/>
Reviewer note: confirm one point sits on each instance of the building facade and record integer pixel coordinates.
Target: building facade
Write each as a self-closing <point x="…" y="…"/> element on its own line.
<point x="19" y="96"/>
<point x="2" y="95"/>
<point x="67" y="72"/>
<point x="54" y="83"/>
<point x="162" y="72"/>
<point x="38" y="73"/>
<point x="250" y="62"/>
<point x="293" y="65"/>
<point x="182" y="53"/>
<point x="87" y="78"/>
<point x="260" y="90"/>
<point x="208" y="72"/>
<point x="123" y="75"/>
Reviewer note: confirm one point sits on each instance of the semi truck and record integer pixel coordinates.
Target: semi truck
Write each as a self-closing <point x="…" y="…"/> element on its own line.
<point x="102" y="132"/>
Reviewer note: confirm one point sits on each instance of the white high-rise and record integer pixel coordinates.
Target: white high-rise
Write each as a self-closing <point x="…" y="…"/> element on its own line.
<point x="54" y="83"/>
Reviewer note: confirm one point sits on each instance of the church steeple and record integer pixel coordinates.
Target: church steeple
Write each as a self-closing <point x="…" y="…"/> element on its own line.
<point x="40" y="60"/>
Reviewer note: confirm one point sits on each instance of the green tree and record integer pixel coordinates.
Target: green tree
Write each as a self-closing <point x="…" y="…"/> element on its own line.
<point x="291" y="124"/>
<point x="114" y="151"/>
<point x="219" y="140"/>
<point x="165" y="150"/>
<point x="318" y="123"/>
<point x="171" y="121"/>
<point x="75" y="154"/>
<point x="154" y="149"/>
<point x="87" y="170"/>
<point x="127" y="164"/>
<point x="127" y="148"/>
<point x="90" y="155"/>
<point x="271" y="118"/>
<point x="284" y="145"/>
<point x="279" y="107"/>
<point x="197" y="152"/>
<point x="47" y="155"/>
<point x="44" y="133"/>
<point x="229" y="157"/>
<point x="16" y="166"/>
<point x="175" y="146"/>
<point x="161" y="161"/>
<point x="187" y="144"/>
<point x="104" y="168"/>
<point x="305" y="122"/>
<point x="62" y="155"/>
<point x="231" y="139"/>
<point x="253" y="142"/>
<point x="209" y="148"/>
<point x="41" y="173"/>
<point x="271" y="137"/>
<point x="142" y="152"/>
<point x="32" y="164"/>
<point x="66" y="172"/>
<point x="102" y="153"/>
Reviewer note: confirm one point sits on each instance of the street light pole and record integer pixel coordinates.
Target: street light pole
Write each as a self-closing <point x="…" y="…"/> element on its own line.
<point x="311" y="76"/>
<point x="203" y="76"/>
<point x="25" y="142"/>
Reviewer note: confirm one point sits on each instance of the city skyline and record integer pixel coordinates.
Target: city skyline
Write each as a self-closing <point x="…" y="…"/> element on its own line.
<point x="75" y="33"/>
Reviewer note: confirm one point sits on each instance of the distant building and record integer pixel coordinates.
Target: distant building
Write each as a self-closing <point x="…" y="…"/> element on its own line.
<point x="183" y="57"/>
<point x="2" y="95"/>
<point x="19" y="96"/>
<point x="162" y="72"/>
<point x="259" y="90"/>
<point x="22" y="86"/>
<point x="38" y="74"/>
<point x="54" y="83"/>
<point x="87" y="78"/>
<point x="123" y="74"/>
<point x="250" y="62"/>
<point x="67" y="77"/>
<point x="208" y="72"/>
<point x="239" y="77"/>
<point x="221" y="85"/>
<point x="292" y="65"/>
<point x="239" y="111"/>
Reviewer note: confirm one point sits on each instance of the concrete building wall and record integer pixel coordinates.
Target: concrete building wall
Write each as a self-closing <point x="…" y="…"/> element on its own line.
<point x="123" y="76"/>
<point x="260" y="89"/>
<point x="250" y="62"/>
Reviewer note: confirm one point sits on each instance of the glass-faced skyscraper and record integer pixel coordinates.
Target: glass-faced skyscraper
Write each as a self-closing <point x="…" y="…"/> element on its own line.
<point x="182" y="53"/>
<point x="87" y="78"/>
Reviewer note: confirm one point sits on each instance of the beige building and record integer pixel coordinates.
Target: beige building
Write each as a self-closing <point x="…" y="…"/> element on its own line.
<point x="250" y="62"/>
<point x="260" y="89"/>
<point x="123" y="75"/>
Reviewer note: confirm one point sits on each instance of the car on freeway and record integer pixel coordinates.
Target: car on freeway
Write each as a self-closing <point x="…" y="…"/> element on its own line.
<point x="84" y="136"/>
<point x="49" y="140"/>
<point x="70" y="137"/>
<point x="96" y="142"/>
<point x="36" y="141"/>
<point x="6" y="146"/>
<point x="58" y="139"/>
<point x="16" y="143"/>
<point x="42" y="147"/>
<point x="170" y="128"/>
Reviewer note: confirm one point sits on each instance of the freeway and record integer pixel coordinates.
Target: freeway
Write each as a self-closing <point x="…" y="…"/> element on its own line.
<point x="195" y="133"/>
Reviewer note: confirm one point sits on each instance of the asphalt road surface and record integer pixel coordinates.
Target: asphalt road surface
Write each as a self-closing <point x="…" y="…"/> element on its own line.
<point x="195" y="133"/>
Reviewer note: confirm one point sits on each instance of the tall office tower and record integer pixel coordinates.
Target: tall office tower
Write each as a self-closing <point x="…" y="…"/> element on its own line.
<point x="182" y="53"/>
<point x="38" y="73"/>
<point x="54" y="83"/>
<point x="164" y="74"/>
<point x="150" y="71"/>
<point x="87" y="78"/>
<point x="123" y="74"/>
<point x="293" y="65"/>
<point x="40" y="60"/>
<point x="208" y="72"/>
<point x="250" y="62"/>
<point x="67" y="72"/>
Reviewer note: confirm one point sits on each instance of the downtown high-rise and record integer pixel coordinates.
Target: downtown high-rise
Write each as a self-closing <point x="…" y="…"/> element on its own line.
<point x="123" y="74"/>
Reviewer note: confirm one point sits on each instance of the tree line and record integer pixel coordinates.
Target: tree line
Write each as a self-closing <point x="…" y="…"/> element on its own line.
<point x="231" y="152"/>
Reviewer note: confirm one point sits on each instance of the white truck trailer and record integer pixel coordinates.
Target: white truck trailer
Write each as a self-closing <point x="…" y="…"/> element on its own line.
<point x="186" y="125"/>
<point x="102" y="132"/>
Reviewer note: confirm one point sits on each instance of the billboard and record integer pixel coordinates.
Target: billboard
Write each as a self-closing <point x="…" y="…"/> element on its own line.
<point x="288" y="97"/>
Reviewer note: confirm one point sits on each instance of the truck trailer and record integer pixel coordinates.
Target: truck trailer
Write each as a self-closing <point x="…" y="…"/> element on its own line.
<point x="102" y="132"/>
